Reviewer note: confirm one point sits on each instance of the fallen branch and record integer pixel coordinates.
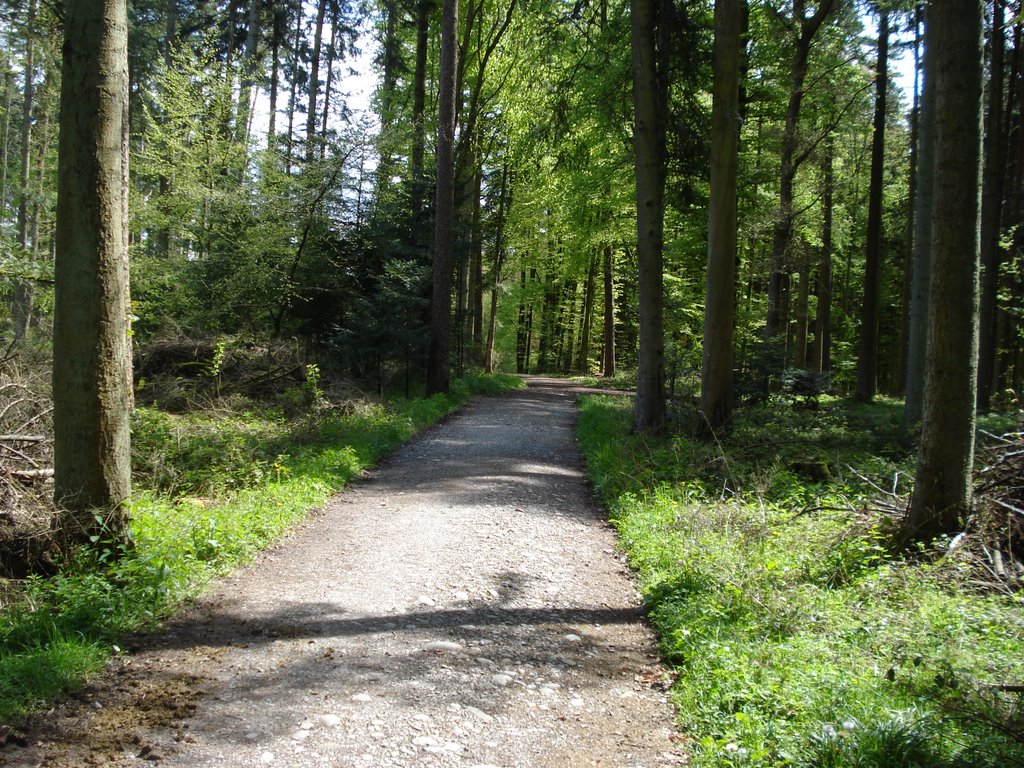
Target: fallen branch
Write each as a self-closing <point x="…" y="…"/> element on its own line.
<point x="30" y="475"/>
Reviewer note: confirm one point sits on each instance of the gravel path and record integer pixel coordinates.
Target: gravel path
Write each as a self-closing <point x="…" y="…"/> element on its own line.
<point x="463" y="606"/>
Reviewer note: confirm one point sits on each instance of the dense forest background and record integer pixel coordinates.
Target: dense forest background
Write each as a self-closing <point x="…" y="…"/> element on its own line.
<point x="260" y="208"/>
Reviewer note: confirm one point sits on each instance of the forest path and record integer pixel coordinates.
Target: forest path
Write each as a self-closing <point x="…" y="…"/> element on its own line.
<point x="465" y="605"/>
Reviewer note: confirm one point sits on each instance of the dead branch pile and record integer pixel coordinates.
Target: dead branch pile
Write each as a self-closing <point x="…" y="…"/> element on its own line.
<point x="995" y="533"/>
<point x="181" y="373"/>
<point x="26" y="464"/>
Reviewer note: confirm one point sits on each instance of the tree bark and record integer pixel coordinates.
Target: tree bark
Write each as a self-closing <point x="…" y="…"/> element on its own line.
<point x="923" y="203"/>
<point x="942" y="483"/>
<point x="314" y="81"/>
<point x="419" y="91"/>
<point x="867" y="355"/>
<point x="823" y="312"/>
<point x="92" y="353"/>
<point x="438" y="364"/>
<point x="583" y="361"/>
<point x="608" y="345"/>
<point x="499" y="260"/>
<point x="21" y="307"/>
<point x="991" y="213"/>
<point x="649" y="103"/>
<point x="716" y="391"/>
<point x="275" y="70"/>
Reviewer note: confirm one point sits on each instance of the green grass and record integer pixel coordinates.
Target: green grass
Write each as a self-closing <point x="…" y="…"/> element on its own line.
<point x="215" y="489"/>
<point x="797" y="639"/>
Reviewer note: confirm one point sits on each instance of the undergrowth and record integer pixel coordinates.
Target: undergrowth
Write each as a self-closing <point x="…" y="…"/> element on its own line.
<point x="796" y="637"/>
<point x="212" y="489"/>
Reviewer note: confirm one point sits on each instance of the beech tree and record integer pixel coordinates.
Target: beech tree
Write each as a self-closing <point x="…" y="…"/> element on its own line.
<point x="649" y="103"/>
<point x="439" y="365"/>
<point x="92" y="355"/>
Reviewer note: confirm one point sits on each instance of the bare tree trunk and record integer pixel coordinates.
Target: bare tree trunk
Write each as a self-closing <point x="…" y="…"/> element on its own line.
<point x="324" y="118"/>
<point x="942" y="483"/>
<point x="476" y="268"/>
<point x="314" y="80"/>
<point x="608" y="345"/>
<point x="438" y="364"/>
<point x="800" y="314"/>
<point x="991" y="213"/>
<point x="21" y="306"/>
<point x="823" y="315"/>
<point x="499" y="260"/>
<point x="293" y="95"/>
<point x="716" y="393"/>
<point x="908" y="253"/>
<point x="923" y="203"/>
<point x="649" y="102"/>
<point x="583" y="361"/>
<point x="92" y="353"/>
<point x="275" y="70"/>
<point x="867" y="358"/>
<point x="419" y="91"/>
<point x="789" y="161"/>
<point x="5" y="148"/>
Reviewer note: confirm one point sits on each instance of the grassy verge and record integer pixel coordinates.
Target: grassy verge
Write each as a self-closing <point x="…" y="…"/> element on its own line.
<point x="796" y="638"/>
<point x="217" y="488"/>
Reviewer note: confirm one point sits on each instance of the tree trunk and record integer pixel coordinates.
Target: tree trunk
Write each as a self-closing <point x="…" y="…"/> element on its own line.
<point x="419" y="91"/>
<point x="328" y="85"/>
<point x="800" y="315"/>
<point x="439" y="365"/>
<point x="716" y="393"/>
<point x="5" y="148"/>
<point x="867" y="357"/>
<point x="248" y="78"/>
<point x="21" y="307"/>
<point x="942" y="483"/>
<point x="608" y="345"/>
<point x="275" y="71"/>
<point x="92" y="353"/>
<point x="499" y="259"/>
<point x="823" y="314"/>
<point x="476" y="270"/>
<point x="583" y="361"/>
<point x="908" y="252"/>
<point x="314" y="80"/>
<point x="649" y="102"/>
<point x="789" y="162"/>
<point x="923" y="204"/>
<point x="991" y="213"/>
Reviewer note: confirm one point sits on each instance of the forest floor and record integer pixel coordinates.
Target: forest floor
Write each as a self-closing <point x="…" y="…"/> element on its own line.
<point x="465" y="605"/>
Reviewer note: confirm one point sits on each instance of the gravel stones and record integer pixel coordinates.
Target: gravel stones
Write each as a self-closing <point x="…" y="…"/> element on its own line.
<point x="461" y="607"/>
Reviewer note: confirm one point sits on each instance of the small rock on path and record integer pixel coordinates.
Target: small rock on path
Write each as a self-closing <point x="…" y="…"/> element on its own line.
<point x="461" y="607"/>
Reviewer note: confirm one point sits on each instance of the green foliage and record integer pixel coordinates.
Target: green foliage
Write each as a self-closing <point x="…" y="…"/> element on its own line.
<point x="796" y="638"/>
<point x="218" y="488"/>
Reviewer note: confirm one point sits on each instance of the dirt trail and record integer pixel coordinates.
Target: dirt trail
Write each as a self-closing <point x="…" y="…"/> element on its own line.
<point x="463" y="606"/>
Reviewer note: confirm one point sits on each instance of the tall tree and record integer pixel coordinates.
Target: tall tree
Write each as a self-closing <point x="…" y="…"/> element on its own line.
<point x="921" y="267"/>
<point x="720" y="294"/>
<point x="803" y="27"/>
<point x="942" y="483"/>
<point x="23" y="293"/>
<point x="438" y="363"/>
<point x="92" y="355"/>
<point x="991" y="210"/>
<point x="867" y="357"/>
<point x="650" y="95"/>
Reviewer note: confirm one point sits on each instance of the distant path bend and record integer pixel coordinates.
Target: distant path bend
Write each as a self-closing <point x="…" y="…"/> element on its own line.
<point x="463" y="606"/>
